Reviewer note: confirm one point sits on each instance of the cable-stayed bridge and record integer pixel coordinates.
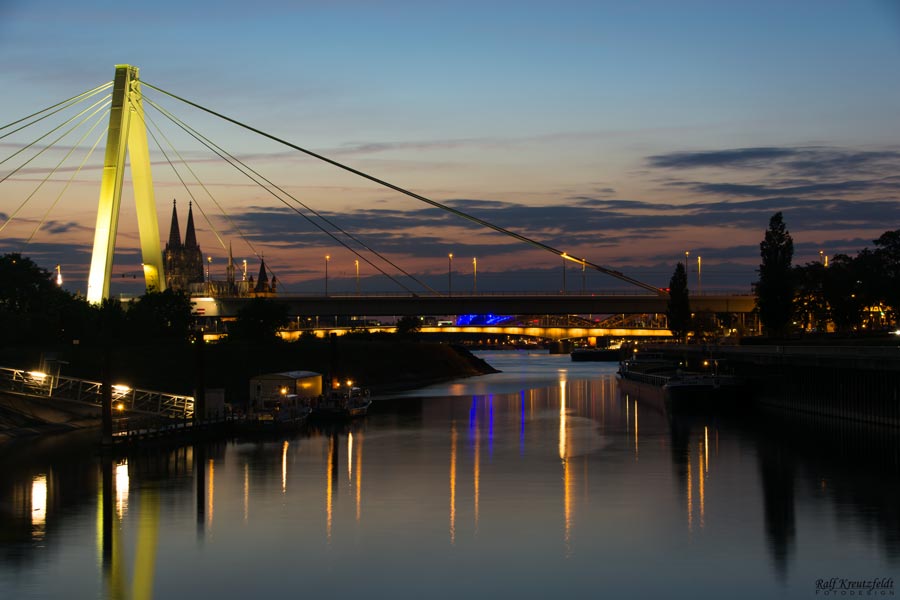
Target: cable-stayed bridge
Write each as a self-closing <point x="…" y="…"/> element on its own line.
<point x="125" y="109"/>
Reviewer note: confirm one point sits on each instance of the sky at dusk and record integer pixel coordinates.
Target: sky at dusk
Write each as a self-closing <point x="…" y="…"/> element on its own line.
<point x="624" y="133"/>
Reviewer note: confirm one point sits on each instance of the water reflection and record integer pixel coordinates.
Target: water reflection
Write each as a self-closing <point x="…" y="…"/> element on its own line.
<point x="453" y="436"/>
<point x="38" y="505"/>
<point x="543" y="483"/>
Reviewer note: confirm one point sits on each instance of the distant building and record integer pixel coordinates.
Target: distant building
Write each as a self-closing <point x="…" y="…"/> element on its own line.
<point x="283" y="390"/>
<point x="263" y="288"/>
<point x="183" y="262"/>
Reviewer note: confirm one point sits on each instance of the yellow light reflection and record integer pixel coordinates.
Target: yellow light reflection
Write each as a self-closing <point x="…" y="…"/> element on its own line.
<point x="700" y="482"/>
<point x="627" y="414"/>
<point x="38" y="504"/>
<point x="122" y="485"/>
<point x="359" y="445"/>
<point x="562" y="419"/>
<point x="246" y="492"/>
<point x="690" y="499"/>
<point x="350" y="457"/>
<point x="328" y="491"/>
<point x="567" y="505"/>
<point x="210" y="492"/>
<point x="706" y="446"/>
<point x="635" y="430"/>
<point x="145" y="547"/>
<point x="477" y="475"/>
<point x="284" y="449"/>
<point x="453" y="483"/>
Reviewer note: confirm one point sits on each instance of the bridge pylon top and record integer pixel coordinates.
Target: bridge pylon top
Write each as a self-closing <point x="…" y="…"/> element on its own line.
<point x="127" y="132"/>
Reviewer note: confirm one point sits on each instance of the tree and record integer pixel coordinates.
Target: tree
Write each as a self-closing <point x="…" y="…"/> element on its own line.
<point x="841" y="290"/>
<point x="408" y="326"/>
<point x="158" y="316"/>
<point x="258" y="321"/>
<point x="810" y="305"/>
<point x="775" y="288"/>
<point x="887" y="254"/>
<point x="34" y="309"/>
<point x="678" y="308"/>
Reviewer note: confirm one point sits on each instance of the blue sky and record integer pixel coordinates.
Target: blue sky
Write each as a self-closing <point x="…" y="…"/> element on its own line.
<point x="626" y="133"/>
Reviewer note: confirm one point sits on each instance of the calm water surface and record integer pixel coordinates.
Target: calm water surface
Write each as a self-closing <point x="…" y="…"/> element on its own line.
<point x="537" y="482"/>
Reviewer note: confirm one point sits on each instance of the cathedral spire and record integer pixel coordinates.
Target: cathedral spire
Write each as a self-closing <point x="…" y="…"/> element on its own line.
<point x="262" y="282"/>
<point x="190" y="237"/>
<point x="229" y="270"/>
<point x="174" y="232"/>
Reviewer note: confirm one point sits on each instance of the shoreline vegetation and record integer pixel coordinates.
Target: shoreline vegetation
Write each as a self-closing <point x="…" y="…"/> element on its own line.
<point x="381" y="365"/>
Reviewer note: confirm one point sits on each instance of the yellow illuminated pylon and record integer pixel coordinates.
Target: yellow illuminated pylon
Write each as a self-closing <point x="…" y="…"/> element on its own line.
<point x="127" y="130"/>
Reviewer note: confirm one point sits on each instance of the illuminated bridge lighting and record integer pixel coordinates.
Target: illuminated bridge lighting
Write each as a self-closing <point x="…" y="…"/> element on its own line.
<point x="488" y="319"/>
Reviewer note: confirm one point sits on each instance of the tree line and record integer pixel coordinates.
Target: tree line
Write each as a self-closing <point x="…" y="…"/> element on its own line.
<point x="844" y="294"/>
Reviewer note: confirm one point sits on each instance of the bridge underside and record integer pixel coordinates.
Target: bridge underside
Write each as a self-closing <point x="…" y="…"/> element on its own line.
<point x="311" y="306"/>
<point x="553" y="333"/>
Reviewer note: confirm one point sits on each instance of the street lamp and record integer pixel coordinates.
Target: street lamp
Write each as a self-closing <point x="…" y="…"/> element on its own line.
<point x="450" y="274"/>
<point x="583" y="277"/>
<point x="356" y="262"/>
<point x="208" y="280"/>
<point x="699" y="278"/>
<point x="474" y="275"/>
<point x="327" y="258"/>
<point x="564" y="256"/>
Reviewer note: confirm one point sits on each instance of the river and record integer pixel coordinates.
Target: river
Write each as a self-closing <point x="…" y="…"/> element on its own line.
<point x="539" y="481"/>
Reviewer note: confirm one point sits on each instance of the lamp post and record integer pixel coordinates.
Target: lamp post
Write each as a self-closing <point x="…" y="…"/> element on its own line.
<point x="564" y="273"/>
<point x="327" y="258"/>
<point x="474" y="275"/>
<point x="450" y="274"/>
<point x="583" y="278"/>
<point x="208" y="279"/>
<point x="699" y="277"/>
<point x="356" y="262"/>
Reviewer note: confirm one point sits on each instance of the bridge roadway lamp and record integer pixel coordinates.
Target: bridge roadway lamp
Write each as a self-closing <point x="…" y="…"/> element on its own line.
<point x="327" y="258"/>
<point x="450" y="274"/>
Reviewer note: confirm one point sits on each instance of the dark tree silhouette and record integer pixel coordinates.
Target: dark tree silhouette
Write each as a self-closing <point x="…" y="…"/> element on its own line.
<point x="775" y="288"/>
<point x="678" y="308"/>
<point x="408" y="326"/>
<point x="158" y="316"/>
<point x="258" y="321"/>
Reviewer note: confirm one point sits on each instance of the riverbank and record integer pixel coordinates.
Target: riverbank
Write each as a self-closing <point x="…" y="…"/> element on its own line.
<point x="22" y="417"/>
<point x="382" y="365"/>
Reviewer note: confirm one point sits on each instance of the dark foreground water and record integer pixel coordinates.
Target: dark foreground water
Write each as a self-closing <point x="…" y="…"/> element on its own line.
<point x="539" y="482"/>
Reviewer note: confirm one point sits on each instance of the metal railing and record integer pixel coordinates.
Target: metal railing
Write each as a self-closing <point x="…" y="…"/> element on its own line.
<point x="124" y="398"/>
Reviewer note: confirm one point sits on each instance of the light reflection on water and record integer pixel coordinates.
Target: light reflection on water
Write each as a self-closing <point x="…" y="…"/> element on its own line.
<point x="533" y="482"/>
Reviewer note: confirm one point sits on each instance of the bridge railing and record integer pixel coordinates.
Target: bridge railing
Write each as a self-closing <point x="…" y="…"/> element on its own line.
<point x="36" y="383"/>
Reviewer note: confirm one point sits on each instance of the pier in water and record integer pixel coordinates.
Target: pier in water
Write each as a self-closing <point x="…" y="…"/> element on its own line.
<point x="540" y="481"/>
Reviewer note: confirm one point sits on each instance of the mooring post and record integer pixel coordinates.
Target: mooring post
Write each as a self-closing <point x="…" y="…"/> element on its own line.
<point x="199" y="380"/>
<point x="106" y="394"/>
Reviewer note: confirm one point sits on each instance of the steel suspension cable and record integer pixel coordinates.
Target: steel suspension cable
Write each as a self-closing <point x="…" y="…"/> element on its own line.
<point x="24" y="202"/>
<point x="229" y="158"/>
<point x="209" y="142"/>
<point x="63" y="105"/>
<point x="105" y="101"/>
<point x="411" y="194"/>
<point x="71" y="179"/>
<point x="180" y="178"/>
